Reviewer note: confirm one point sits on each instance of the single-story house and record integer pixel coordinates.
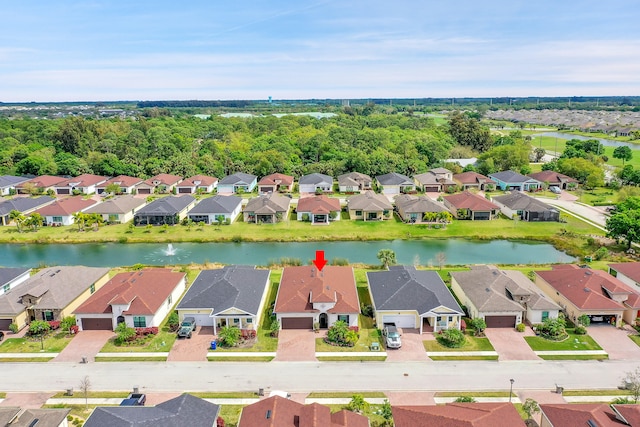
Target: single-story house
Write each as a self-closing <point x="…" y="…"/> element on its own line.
<point x="473" y="180"/>
<point x="277" y="411"/>
<point x="141" y="299"/>
<point x="412" y="208"/>
<point x="197" y="184"/>
<point x="167" y="210"/>
<point x="216" y="209"/>
<point x="315" y="181"/>
<point x="510" y="180"/>
<point x="268" y="208"/>
<point x="83" y="184"/>
<point x="435" y="180"/>
<point x="162" y="183"/>
<point x="127" y="184"/>
<point x="184" y="410"/>
<point x="503" y="298"/>
<point x="8" y="183"/>
<point x="467" y="205"/>
<point x="61" y="211"/>
<point x="502" y="414"/>
<point x="231" y="296"/>
<point x="599" y="295"/>
<point x="39" y="184"/>
<point x="24" y="205"/>
<point x="118" y="210"/>
<point x="239" y="181"/>
<point x="589" y="415"/>
<point x="50" y="294"/>
<point x="12" y="277"/>
<point x="395" y="183"/>
<point x="11" y="416"/>
<point x="526" y="208"/>
<point x="307" y="295"/>
<point x="318" y="209"/>
<point x="354" y="182"/>
<point x="276" y="182"/>
<point x="412" y="298"/>
<point x="626" y="272"/>
<point x="369" y="206"/>
<point x="555" y="179"/>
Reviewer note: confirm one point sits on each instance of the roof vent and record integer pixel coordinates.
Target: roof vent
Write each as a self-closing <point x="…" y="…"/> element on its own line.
<point x="592" y="423"/>
<point x="34" y="422"/>
<point x="587" y="290"/>
<point x="268" y="416"/>
<point x="588" y="273"/>
<point x="487" y="289"/>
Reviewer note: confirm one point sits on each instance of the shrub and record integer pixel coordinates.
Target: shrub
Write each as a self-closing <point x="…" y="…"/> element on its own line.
<point x="580" y="330"/>
<point x="520" y="327"/>
<point x="153" y="330"/>
<point x="228" y="336"/>
<point x="366" y="309"/>
<point x="479" y="325"/>
<point x="600" y="253"/>
<point x="357" y="403"/>
<point x="465" y="399"/>
<point x="13" y="327"/>
<point x="124" y="334"/>
<point x="341" y="335"/>
<point x="173" y="321"/>
<point x="39" y="327"/>
<point x="74" y="329"/>
<point x="54" y="324"/>
<point x="274" y="328"/>
<point x="452" y="338"/>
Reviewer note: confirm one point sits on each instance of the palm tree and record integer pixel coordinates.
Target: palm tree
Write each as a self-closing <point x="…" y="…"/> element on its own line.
<point x="80" y="219"/>
<point x="17" y="217"/>
<point x="35" y="221"/>
<point x="387" y="257"/>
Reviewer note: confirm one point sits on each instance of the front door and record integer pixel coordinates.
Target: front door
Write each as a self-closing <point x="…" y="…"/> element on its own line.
<point x="323" y="321"/>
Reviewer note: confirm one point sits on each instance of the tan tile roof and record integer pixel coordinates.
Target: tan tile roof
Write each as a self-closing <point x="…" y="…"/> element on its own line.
<point x="68" y="206"/>
<point x="458" y="415"/>
<point x="318" y="204"/>
<point x="369" y="202"/>
<point x="301" y="286"/>
<point x="551" y="177"/>
<point x="276" y="179"/>
<point x="472" y="178"/>
<point x="467" y="200"/>
<point x="268" y="204"/>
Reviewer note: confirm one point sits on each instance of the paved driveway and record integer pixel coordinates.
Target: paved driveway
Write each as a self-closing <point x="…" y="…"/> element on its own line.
<point x="26" y="400"/>
<point x="412" y="348"/>
<point x="297" y="345"/>
<point x="85" y="343"/>
<point x="510" y="344"/>
<point x="615" y="341"/>
<point x="192" y="349"/>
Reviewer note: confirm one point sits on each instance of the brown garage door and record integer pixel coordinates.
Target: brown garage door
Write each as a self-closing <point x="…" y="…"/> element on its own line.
<point x="4" y="324"/>
<point x="144" y="191"/>
<point x="500" y="321"/>
<point x="96" y="324"/>
<point x="297" y="323"/>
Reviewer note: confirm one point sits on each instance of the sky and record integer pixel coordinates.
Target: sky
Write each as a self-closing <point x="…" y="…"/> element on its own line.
<point x="95" y="50"/>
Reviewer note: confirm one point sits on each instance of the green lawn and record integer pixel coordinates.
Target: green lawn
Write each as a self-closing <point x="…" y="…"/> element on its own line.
<point x="158" y="343"/>
<point x="230" y="414"/>
<point x="371" y="412"/>
<point x="449" y="358"/>
<point x="345" y="394"/>
<point x="473" y="394"/>
<point x="471" y="344"/>
<point x="54" y="342"/>
<point x="635" y="339"/>
<point x="574" y="342"/>
<point x="599" y="196"/>
<point x="368" y="334"/>
<point x="25" y="359"/>
<point x="575" y="357"/>
<point x="131" y="359"/>
<point x="240" y="358"/>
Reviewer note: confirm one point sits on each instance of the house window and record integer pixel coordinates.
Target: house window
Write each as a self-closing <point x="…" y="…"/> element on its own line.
<point x="450" y="318"/>
<point x="344" y="318"/>
<point x="169" y="300"/>
<point x="139" y="322"/>
<point x="92" y="289"/>
<point x="545" y="315"/>
<point x="249" y="320"/>
<point x="438" y="318"/>
<point x="358" y="213"/>
<point x="56" y="219"/>
<point x="6" y="288"/>
<point x="236" y="320"/>
<point x="47" y="315"/>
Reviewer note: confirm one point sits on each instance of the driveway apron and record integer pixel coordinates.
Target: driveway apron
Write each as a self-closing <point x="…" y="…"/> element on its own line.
<point x="510" y="344"/>
<point x="615" y="342"/>
<point x="26" y="400"/>
<point x="412" y="348"/>
<point x="192" y="349"/>
<point x="296" y="345"/>
<point x="84" y="344"/>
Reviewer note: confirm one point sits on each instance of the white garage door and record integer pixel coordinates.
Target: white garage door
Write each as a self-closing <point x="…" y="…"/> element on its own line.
<point x="201" y="319"/>
<point x="404" y="321"/>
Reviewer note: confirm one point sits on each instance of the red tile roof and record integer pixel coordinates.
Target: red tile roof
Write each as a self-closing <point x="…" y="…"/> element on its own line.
<point x="472" y="178"/>
<point x="165" y="179"/>
<point x="145" y="290"/>
<point x="578" y="414"/>
<point x="301" y="286"/>
<point x="84" y="180"/>
<point x="202" y="180"/>
<point x="629" y="269"/>
<point x="276" y="179"/>
<point x="42" y="181"/>
<point x="473" y="202"/>
<point x="458" y="415"/>
<point x="318" y="204"/>
<point x="551" y="177"/>
<point x="66" y="207"/>
<point x="121" y="180"/>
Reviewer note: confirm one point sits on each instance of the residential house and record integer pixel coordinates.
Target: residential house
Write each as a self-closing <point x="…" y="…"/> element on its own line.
<point x="167" y="210"/>
<point x="524" y="207"/>
<point x="184" y="410"/>
<point x="503" y="298"/>
<point x="61" y="211"/>
<point x="354" y="182"/>
<point x="502" y="414"/>
<point x="270" y="208"/>
<point x="83" y="184"/>
<point x="24" y="205"/>
<point x="237" y="182"/>
<point x="141" y="299"/>
<point x="435" y="180"/>
<point x="39" y="185"/>
<point x="412" y="209"/>
<point x="276" y="182"/>
<point x="218" y="209"/>
<point x="412" y="298"/>
<point x="50" y="294"/>
<point x="118" y="210"/>
<point x="197" y="184"/>
<point x="318" y="209"/>
<point x="369" y="206"/>
<point x="555" y="179"/>
<point x="589" y="414"/>
<point x="307" y="295"/>
<point x="473" y="180"/>
<point x="8" y="183"/>
<point x="12" y="277"/>
<point x="626" y="272"/>
<point x="231" y="296"/>
<point x="467" y="205"/>
<point x="510" y="180"/>
<point x="127" y="184"/>
<point x="599" y="295"/>
<point x="395" y="183"/>
<point x="278" y="411"/>
<point x="162" y="183"/>
<point x="314" y="182"/>
<point x="18" y="417"/>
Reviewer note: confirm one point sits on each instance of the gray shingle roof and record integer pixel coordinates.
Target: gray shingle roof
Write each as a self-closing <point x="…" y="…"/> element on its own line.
<point x="238" y="178"/>
<point x="24" y="204"/>
<point x="41" y="418"/>
<point x="10" y="180"/>
<point x="268" y="204"/>
<point x="510" y="177"/>
<point x="315" y="178"/>
<point x="117" y="205"/>
<point x="9" y="274"/>
<point x="521" y="202"/>
<point x="236" y="286"/>
<point x="352" y="178"/>
<point x="167" y="205"/>
<point x="217" y="205"/>
<point x="417" y="204"/>
<point x="369" y="202"/>
<point x="394" y="178"/>
<point x="405" y="288"/>
<point x="184" y="410"/>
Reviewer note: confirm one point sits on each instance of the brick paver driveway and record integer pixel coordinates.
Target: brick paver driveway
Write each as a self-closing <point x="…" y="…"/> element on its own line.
<point x="26" y="400"/>
<point x="412" y="348"/>
<point x="297" y="345"/>
<point x="192" y="349"/>
<point x="510" y="344"/>
<point x="615" y="341"/>
<point x="85" y="343"/>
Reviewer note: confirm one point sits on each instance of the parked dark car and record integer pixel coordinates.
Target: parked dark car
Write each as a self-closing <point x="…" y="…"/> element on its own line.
<point x="134" y="399"/>
<point x="1" y="335"/>
<point x="187" y="327"/>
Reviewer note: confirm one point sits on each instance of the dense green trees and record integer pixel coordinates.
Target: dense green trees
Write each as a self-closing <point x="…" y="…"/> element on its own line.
<point x="625" y="222"/>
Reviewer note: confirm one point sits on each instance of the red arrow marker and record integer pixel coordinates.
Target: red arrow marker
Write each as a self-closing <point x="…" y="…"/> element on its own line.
<point x="320" y="262"/>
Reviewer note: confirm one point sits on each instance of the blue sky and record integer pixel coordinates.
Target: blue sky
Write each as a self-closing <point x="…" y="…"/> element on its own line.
<point x="94" y="50"/>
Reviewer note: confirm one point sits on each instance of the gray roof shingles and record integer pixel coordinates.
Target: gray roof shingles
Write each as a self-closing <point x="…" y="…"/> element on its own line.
<point x="24" y="203"/>
<point x="394" y="178"/>
<point x="510" y="177"/>
<point x="9" y="274"/>
<point x="217" y="205"/>
<point x="238" y="178"/>
<point x="521" y="202"/>
<point x="315" y="178"/>
<point x="167" y="205"/>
